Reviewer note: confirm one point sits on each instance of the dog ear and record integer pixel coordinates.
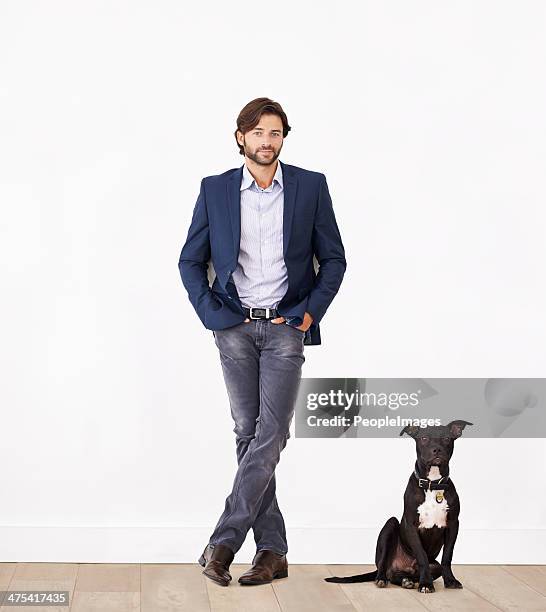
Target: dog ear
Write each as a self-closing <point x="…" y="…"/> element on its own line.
<point x="411" y="430"/>
<point x="456" y="427"/>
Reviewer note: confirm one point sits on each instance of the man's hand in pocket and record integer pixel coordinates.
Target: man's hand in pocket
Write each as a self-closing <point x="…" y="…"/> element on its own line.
<point x="307" y="320"/>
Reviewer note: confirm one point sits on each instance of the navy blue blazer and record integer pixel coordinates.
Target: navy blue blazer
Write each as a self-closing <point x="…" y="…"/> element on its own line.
<point x="309" y="228"/>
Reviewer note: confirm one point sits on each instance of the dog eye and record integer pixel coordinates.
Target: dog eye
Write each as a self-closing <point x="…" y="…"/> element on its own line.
<point x="424" y="440"/>
<point x="447" y="440"/>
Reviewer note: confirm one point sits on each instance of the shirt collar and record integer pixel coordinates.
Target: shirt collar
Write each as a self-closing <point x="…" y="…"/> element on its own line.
<point x="248" y="179"/>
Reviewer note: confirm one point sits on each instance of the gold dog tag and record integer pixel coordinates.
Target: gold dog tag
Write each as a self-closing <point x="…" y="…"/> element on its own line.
<point x="439" y="496"/>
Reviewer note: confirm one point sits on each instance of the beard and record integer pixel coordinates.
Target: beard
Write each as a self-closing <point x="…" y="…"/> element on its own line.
<point x="260" y="158"/>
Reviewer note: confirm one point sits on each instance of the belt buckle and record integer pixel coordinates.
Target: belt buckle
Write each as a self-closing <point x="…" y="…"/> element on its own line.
<point x="256" y="308"/>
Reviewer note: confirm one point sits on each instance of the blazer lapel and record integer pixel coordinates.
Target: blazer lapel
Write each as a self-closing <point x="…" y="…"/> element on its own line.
<point x="290" y="184"/>
<point x="234" y="206"/>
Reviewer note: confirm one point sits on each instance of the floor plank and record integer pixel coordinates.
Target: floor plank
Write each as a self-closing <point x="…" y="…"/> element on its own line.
<point x="501" y="588"/>
<point x="366" y="596"/>
<point x="532" y="575"/>
<point x="107" y="587"/>
<point x="43" y="577"/>
<point x="173" y="588"/>
<point x="6" y="573"/>
<point x="306" y="591"/>
<point x="240" y="598"/>
<point x="455" y="600"/>
<point x="109" y="577"/>
<point x="104" y="601"/>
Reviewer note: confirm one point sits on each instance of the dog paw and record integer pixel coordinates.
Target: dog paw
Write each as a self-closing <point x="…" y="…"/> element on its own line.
<point x="381" y="583"/>
<point x="426" y="588"/>
<point x="407" y="583"/>
<point x="452" y="583"/>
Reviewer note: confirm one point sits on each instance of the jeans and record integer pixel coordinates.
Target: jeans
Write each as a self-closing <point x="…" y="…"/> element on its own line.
<point x="261" y="363"/>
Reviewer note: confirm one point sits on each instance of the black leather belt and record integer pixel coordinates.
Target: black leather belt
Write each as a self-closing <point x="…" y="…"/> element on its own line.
<point x="261" y="313"/>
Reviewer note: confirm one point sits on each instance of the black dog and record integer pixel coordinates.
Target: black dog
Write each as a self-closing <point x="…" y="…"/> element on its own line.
<point x="406" y="552"/>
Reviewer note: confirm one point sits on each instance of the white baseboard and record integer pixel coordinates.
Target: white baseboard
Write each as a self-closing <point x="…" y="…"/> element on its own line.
<point x="145" y="544"/>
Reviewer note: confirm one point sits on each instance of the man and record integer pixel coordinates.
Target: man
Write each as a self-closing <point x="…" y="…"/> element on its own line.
<point x="261" y="224"/>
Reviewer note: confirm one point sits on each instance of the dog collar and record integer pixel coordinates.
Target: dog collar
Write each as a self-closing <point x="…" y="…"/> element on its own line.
<point x="431" y="485"/>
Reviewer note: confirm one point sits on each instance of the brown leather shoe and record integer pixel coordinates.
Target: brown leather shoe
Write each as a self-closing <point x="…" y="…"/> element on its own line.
<point x="216" y="561"/>
<point x="266" y="567"/>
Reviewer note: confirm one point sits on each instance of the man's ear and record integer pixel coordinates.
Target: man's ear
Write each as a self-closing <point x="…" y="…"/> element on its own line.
<point x="456" y="427"/>
<point x="411" y="430"/>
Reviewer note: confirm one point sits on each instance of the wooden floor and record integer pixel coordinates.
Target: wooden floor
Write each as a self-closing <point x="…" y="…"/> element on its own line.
<point x="167" y="587"/>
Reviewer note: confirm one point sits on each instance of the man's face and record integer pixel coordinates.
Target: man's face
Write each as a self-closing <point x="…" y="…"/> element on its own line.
<point x="263" y="143"/>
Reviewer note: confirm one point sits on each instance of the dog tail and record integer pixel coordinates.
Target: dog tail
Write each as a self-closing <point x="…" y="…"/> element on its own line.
<point x="358" y="578"/>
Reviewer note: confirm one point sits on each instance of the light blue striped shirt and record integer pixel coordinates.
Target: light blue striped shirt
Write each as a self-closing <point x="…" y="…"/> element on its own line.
<point x="261" y="278"/>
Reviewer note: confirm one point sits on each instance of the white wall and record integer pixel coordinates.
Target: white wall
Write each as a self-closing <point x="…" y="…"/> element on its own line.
<point x="427" y="119"/>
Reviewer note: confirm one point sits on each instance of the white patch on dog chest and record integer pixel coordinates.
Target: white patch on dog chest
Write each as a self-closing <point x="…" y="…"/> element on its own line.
<point x="431" y="512"/>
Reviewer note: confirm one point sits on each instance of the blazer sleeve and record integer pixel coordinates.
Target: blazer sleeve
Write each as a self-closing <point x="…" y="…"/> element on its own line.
<point x="330" y="254"/>
<point x="194" y="257"/>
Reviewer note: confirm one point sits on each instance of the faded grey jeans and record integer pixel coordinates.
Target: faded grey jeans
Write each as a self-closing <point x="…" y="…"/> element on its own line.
<point x="261" y="363"/>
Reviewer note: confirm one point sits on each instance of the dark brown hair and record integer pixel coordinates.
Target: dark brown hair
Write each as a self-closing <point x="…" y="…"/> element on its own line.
<point x="250" y="115"/>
